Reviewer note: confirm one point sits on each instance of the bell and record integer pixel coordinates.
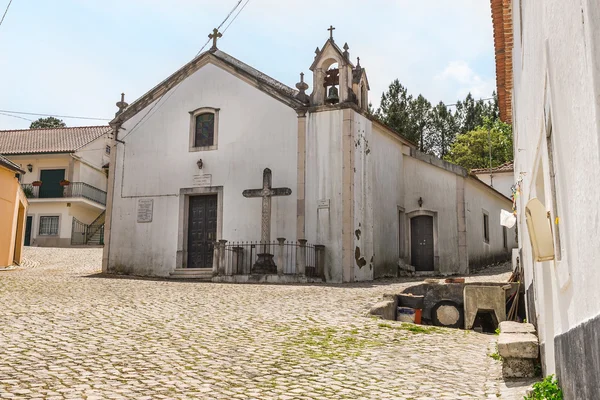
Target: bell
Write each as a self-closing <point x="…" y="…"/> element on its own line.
<point x="333" y="96"/>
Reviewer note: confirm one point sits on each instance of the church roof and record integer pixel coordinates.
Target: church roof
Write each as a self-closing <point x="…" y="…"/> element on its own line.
<point x="262" y="82"/>
<point x="49" y="140"/>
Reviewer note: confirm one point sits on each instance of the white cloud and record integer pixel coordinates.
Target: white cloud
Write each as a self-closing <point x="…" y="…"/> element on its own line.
<point x="459" y="73"/>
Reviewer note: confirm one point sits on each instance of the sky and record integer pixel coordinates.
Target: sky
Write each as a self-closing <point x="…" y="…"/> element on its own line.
<point x="75" y="57"/>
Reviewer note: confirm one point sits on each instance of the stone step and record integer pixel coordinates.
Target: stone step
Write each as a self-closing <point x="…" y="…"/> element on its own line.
<point x="204" y="274"/>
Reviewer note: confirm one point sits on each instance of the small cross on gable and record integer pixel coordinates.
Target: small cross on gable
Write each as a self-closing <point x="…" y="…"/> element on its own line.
<point x="331" y="29"/>
<point x="215" y="35"/>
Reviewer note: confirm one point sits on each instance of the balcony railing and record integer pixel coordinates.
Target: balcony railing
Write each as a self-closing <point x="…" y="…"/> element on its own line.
<point x="73" y="190"/>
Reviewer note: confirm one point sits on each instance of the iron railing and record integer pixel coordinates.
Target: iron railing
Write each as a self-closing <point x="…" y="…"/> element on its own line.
<point x="83" y="234"/>
<point x="74" y="189"/>
<point x="281" y="257"/>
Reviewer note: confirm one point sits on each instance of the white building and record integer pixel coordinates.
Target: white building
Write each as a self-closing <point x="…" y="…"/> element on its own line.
<point x="555" y="111"/>
<point x="194" y="154"/>
<point x="65" y="181"/>
<point x="501" y="178"/>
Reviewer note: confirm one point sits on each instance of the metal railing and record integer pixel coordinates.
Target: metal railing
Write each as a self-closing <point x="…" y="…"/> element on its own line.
<point x="281" y="257"/>
<point x="74" y="189"/>
<point x="83" y="234"/>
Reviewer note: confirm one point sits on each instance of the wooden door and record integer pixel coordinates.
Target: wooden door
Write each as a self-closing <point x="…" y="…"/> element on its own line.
<point x="421" y="243"/>
<point x="51" y="183"/>
<point x="202" y="231"/>
<point x="27" y="241"/>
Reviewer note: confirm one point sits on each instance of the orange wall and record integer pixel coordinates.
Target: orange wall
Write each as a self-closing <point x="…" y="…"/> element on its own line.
<point x="11" y="197"/>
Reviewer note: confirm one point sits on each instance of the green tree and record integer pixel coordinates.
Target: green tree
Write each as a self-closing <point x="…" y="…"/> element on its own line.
<point x="419" y="123"/>
<point x="395" y="108"/>
<point x="443" y="129"/>
<point x="472" y="149"/>
<point x="471" y="113"/>
<point x="48" y="122"/>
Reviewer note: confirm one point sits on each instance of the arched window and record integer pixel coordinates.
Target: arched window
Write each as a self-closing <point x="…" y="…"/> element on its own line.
<point x="205" y="130"/>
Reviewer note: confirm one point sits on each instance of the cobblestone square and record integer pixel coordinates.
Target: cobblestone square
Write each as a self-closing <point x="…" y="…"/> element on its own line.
<point x="67" y="333"/>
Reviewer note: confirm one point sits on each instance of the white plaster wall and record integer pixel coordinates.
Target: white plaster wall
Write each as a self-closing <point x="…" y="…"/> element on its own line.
<point x="363" y="198"/>
<point x="437" y="188"/>
<point x="556" y="65"/>
<point x="324" y="182"/>
<point x="40" y="162"/>
<point x="478" y="198"/>
<point x="255" y="132"/>
<point x="387" y="178"/>
<point x="92" y="176"/>
<point x="502" y="182"/>
<point x="50" y="209"/>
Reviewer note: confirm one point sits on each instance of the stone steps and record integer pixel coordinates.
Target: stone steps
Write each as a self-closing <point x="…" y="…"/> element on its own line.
<point x="518" y="345"/>
<point x="203" y="274"/>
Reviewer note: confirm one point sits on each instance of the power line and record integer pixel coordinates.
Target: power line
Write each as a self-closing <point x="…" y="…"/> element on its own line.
<point x="5" y="12"/>
<point x="452" y="105"/>
<point x="16" y="116"/>
<point x="172" y="91"/>
<point x="53" y="115"/>
<point x="236" y="15"/>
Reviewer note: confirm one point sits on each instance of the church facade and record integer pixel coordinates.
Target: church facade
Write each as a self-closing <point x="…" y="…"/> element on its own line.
<point x="224" y="173"/>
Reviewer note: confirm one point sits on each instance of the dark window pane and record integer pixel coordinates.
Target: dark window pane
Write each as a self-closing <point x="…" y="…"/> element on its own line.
<point x="48" y="225"/>
<point x="205" y="130"/>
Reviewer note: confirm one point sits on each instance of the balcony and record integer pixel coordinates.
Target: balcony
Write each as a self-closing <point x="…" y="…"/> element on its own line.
<point x="73" y="190"/>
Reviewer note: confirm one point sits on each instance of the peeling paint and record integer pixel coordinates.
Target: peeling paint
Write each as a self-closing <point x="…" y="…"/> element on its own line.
<point x="357" y="233"/>
<point x="361" y="262"/>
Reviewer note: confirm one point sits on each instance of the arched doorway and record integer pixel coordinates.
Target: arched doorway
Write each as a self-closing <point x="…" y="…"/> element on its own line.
<point x="421" y="243"/>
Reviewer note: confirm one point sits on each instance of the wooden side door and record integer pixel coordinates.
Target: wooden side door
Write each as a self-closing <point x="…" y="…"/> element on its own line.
<point x="421" y="243"/>
<point x="51" y="183"/>
<point x="202" y="231"/>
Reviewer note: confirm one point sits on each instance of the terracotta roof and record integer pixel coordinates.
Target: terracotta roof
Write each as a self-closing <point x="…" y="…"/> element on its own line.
<point x="5" y="162"/>
<point x="503" y="46"/>
<point x="506" y="167"/>
<point x="49" y="140"/>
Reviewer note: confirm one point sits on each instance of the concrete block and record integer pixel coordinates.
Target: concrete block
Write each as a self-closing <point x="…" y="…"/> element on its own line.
<point x="385" y="309"/>
<point x="483" y="298"/>
<point x="518" y="368"/>
<point x="516" y="327"/>
<point x="518" y="345"/>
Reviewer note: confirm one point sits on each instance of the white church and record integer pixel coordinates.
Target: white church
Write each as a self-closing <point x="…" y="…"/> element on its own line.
<point x="223" y="173"/>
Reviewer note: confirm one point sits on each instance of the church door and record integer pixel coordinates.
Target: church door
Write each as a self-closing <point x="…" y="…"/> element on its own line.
<point x="421" y="243"/>
<point x="202" y="231"/>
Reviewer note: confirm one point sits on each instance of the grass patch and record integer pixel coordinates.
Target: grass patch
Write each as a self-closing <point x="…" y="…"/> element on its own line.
<point x="413" y="328"/>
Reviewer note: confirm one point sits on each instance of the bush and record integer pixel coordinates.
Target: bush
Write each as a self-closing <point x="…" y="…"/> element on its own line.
<point x="547" y="389"/>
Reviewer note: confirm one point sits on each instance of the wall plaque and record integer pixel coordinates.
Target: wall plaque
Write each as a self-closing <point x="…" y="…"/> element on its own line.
<point x="144" y="211"/>
<point x="324" y="203"/>
<point x="202" y="180"/>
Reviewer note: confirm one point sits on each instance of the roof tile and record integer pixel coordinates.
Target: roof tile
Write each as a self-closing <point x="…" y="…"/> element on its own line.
<point x="49" y="140"/>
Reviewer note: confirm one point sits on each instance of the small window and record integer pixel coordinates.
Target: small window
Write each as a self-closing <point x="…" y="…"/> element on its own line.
<point x="107" y="150"/>
<point x="48" y="226"/>
<point x="18" y="176"/>
<point x="205" y="130"/>
<point x="486" y="227"/>
<point x="505" y="237"/>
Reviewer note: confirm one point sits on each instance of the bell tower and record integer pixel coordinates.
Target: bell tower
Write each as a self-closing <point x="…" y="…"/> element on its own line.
<point x="335" y="78"/>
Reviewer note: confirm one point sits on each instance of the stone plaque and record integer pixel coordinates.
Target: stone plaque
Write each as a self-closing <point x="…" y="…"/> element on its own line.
<point x="202" y="180"/>
<point x="324" y="203"/>
<point x="144" y="211"/>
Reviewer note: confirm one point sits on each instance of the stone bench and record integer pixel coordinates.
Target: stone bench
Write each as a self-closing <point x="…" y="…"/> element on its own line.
<point x="519" y="348"/>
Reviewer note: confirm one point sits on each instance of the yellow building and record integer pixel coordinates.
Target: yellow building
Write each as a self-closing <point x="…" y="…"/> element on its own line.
<point x="13" y="209"/>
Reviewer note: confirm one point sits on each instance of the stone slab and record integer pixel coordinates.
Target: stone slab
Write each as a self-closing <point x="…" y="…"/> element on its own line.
<point x="518" y="345"/>
<point x="518" y="368"/>
<point x="516" y="327"/>
<point x="386" y="309"/>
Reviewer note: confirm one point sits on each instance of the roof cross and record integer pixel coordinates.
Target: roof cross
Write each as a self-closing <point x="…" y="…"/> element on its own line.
<point x="215" y="35"/>
<point x="331" y="29"/>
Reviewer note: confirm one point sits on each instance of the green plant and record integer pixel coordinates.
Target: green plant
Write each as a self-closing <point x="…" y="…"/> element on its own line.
<point x="496" y="356"/>
<point x="497" y="331"/>
<point x="547" y="389"/>
<point x="28" y="191"/>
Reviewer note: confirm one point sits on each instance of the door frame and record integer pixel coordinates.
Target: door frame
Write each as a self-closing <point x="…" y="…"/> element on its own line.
<point x="32" y="216"/>
<point x="436" y="256"/>
<point x="184" y="210"/>
<point x="52" y="169"/>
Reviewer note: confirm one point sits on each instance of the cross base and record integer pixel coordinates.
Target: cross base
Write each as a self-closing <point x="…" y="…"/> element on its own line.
<point x="264" y="265"/>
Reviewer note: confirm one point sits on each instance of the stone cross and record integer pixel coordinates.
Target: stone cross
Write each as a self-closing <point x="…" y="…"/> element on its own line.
<point x="266" y="193"/>
<point x="331" y="29"/>
<point x="215" y="36"/>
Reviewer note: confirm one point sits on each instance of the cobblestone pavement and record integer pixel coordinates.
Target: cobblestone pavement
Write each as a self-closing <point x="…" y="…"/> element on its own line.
<point x="65" y="333"/>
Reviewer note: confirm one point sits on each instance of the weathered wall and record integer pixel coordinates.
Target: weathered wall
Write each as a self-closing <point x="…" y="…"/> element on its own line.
<point x="387" y="177"/>
<point x="324" y="182"/>
<point x="8" y="215"/>
<point x="502" y="182"/>
<point x="557" y="82"/>
<point x="255" y="132"/>
<point x="437" y="188"/>
<point x="478" y="200"/>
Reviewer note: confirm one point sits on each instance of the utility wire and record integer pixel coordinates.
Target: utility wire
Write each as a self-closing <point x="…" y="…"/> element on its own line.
<point x="5" y="12"/>
<point x="452" y="105"/>
<point x="53" y="115"/>
<point x="236" y="15"/>
<point x="16" y="116"/>
<point x="172" y="91"/>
